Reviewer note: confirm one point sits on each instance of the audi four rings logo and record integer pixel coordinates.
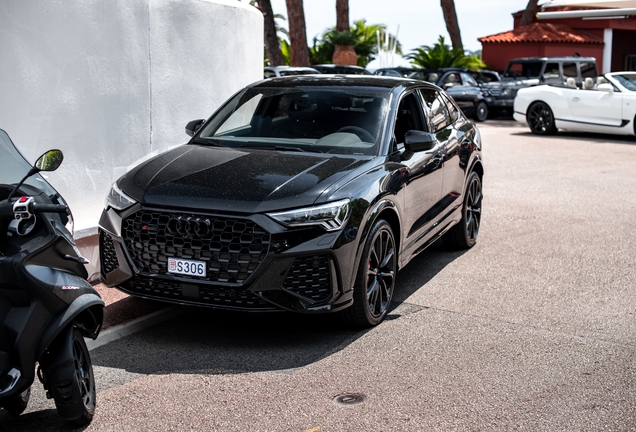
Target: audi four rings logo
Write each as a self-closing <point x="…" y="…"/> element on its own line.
<point x="189" y="226"/>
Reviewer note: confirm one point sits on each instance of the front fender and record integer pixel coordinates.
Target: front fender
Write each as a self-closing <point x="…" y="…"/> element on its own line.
<point x="86" y="312"/>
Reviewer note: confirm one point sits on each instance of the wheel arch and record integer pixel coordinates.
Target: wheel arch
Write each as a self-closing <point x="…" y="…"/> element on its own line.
<point x="383" y="209"/>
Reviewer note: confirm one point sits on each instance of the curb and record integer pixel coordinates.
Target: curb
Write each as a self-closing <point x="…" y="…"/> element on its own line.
<point x="126" y="329"/>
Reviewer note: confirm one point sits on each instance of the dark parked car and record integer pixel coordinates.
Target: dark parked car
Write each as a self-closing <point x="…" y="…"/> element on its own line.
<point x="279" y="71"/>
<point x="341" y="69"/>
<point x="398" y="71"/>
<point x="304" y="194"/>
<point x="531" y="71"/>
<point x="461" y="86"/>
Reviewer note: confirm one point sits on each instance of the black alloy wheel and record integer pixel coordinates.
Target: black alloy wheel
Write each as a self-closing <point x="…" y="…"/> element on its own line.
<point x="18" y="403"/>
<point x="375" y="281"/>
<point x="481" y="111"/>
<point x="540" y="119"/>
<point x="464" y="234"/>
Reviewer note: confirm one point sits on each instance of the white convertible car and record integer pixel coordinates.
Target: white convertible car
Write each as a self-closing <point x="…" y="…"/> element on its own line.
<point x="607" y="105"/>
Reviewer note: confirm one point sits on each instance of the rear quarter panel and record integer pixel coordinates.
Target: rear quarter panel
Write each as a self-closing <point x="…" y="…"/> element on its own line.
<point x="553" y="96"/>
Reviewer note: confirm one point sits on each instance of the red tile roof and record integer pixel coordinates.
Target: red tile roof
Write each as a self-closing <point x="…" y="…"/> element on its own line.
<point x="543" y="33"/>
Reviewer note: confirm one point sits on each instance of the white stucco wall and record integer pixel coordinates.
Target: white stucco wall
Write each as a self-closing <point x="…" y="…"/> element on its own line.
<point x="110" y="82"/>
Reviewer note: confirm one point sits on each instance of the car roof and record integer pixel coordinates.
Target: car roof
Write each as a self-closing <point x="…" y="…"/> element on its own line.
<point x="288" y="68"/>
<point x="534" y="59"/>
<point x="328" y="80"/>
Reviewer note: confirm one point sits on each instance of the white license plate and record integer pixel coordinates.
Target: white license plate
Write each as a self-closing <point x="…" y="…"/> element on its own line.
<point x="186" y="267"/>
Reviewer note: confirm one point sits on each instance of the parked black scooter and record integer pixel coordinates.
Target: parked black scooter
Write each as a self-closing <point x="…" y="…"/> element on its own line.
<point x="46" y="305"/>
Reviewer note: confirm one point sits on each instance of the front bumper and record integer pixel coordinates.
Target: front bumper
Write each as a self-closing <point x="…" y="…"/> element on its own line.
<point x="501" y="103"/>
<point x="252" y="262"/>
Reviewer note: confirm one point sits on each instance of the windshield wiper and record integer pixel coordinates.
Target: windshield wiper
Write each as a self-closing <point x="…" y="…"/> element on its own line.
<point x="283" y="148"/>
<point x="207" y="141"/>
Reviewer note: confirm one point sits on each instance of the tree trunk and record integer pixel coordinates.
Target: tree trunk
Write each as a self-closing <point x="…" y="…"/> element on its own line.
<point x="529" y="13"/>
<point x="450" y="17"/>
<point x="299" y="52"/>
<point x="342" y="15"/>
<point x="272" y="47"/>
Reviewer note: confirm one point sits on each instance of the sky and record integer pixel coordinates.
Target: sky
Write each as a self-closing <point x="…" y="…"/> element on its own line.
<point x="420" y="21"/>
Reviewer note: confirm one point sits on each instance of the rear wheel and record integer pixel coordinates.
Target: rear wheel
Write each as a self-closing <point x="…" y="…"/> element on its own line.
<point x="540" y="119"/>
<point x="18" y="403"/>
<point x="464" y="234"/>
<point x="375" y="279"/>
<point x="481" y="111"/>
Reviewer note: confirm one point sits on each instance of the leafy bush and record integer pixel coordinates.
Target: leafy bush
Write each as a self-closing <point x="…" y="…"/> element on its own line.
<point x="442" y="55"/>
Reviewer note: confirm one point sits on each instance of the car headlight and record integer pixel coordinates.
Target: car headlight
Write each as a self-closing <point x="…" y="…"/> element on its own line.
<point x="117" y="199"/>
<point x="506" y="92"/>
<point x="330" y="216"/>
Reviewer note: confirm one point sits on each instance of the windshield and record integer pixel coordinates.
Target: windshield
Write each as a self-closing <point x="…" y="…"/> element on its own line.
<point x="13" y="167"/>
<point x="627" y="80"/>
<point x="530" y="70"/>
<point x="322" y="120"/>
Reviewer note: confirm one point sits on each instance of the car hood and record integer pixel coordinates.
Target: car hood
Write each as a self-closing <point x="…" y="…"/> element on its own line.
<point x="236" y="180"/>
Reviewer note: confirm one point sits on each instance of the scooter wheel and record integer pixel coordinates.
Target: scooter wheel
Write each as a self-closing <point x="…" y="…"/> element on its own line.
<point x="18" y="403"/>
<point x="70" y="378"/>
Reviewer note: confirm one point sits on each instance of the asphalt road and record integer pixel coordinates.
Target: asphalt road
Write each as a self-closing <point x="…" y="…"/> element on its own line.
<point x="532" y="329"/>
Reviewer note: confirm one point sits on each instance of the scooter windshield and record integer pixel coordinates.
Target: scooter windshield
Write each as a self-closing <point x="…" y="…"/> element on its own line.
<point x="13" y="168"/>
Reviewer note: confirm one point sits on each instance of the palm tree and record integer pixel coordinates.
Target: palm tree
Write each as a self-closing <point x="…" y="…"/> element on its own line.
<point x="272" y="44"/>
<point x="441" y="55"/>
<point x="452" y="26"/>
<point x="342" y="15"/>
<point x="297" y="33"/>
<point x="364" y="39"/>
<point x="529" y="13"/>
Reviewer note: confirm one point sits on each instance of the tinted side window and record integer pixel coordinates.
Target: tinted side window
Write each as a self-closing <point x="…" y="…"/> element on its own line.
<point x="551" y="73"/>
<point x="439" y="117"/>
<point x="453" y="111"/>
<point x="588" y="70"/>
<point x="408" y="117"/>
<point x="524" y="70"/>
<point x="468" y="80"/>
<point x="452" y="78"/>
<point x="269" y="74"/>
<point x="569" y="71"/>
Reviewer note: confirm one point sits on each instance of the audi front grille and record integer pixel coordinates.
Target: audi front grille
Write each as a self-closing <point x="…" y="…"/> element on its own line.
<point x="231" y="248"/>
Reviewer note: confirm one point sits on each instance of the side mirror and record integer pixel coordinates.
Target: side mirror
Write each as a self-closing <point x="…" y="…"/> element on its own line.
<point x="417" y="141"/>
<point x="606" y="88"/>
<point x="49" y="161"/>
<point x="194" y="126"/>
<point x="448" y="85"/>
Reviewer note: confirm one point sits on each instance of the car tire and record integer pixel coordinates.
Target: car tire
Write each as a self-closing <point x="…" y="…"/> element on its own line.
<point x="481" y="111"/>
<point x="17" y="404"/>
<point x="464" y="234"/>
<point x="541" y="119"/>
<point x="375" y="278"/>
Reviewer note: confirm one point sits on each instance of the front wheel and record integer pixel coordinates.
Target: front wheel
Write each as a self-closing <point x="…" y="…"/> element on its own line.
<point x="541" y="119"/>
<point x="70" y="379"/>
<point x="375" y="279"/>
<point x="18" y="403"/>
<point x="481" y="111"/>
<point x="464" y="234"/>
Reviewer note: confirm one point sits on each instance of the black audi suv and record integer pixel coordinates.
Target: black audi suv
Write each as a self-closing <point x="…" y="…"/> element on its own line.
<point x="303" y="194"/>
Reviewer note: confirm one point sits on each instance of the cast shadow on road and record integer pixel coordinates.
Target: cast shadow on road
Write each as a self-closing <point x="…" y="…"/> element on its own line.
<point x="216" y="342"/>
<point x="210" y="341"/>
<point x="584" y="136"/>
<point x="43" y="421"/>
